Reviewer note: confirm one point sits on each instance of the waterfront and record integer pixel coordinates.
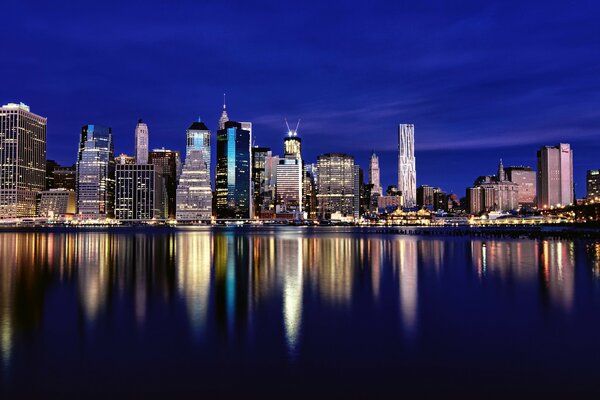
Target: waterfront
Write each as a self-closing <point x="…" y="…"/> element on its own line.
<point x="293" y="312"/>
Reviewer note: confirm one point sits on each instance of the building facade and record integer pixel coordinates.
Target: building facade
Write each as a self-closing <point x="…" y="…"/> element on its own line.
<point x="141" y="143"/>
<point x="374" y="175"/>
<point x="22" y="160"/>
<point x="168" y="166"/>
<point x="289" y="176"/>
<point x="95" y="172"/>
<point x="593" y="185"/>
<point x="337" y="185"/>
<point x="526" y="178"/>
<point x="139" y="193"/>
<point x="198" y="138"/>
<point x="233" y="181"/>
<point x="57" y="203"/>
<point x="407" y="174"/>
<point x="259" y="157"/>
<point x="555" y="176"/>
<point x="194" y="194"/>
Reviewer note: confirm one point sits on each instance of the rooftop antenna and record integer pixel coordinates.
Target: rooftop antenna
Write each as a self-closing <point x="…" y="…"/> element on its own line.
<point x="224" y="102"/>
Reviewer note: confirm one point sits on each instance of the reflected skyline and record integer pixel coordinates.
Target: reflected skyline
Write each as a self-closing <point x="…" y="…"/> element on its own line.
<point x="227" y="283"/>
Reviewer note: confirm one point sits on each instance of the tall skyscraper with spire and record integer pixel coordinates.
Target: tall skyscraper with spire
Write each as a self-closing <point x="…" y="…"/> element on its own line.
<point x="374" y="178"/>
<point x="289" y="175"/>
<point x="407" y="174"/>
<point x="224" y="117"/>
<point x="141" y="143"/>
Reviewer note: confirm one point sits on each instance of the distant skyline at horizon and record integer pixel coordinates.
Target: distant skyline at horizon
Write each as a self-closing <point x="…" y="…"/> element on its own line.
<point x="480" y="81"/>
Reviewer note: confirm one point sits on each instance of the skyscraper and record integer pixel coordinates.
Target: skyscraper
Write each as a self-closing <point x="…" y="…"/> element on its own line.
<point x="289" y="176"/>
<point x="337" y="185"/>
<point x="555" y="176"/>
<point x="141" y="143"/>
<point x="95" y="172"/>
<point x="194" y="194"/>
<point x="224" y="117"/>
<point x="259" y="156"/>
<point x="593" y="185"/>
<point x="407" y="175"/>
<point x="374" y="178"/>
<point x="168" y="165"/>
<point x="198" y="138"/>
<point x="138" y="193"/>
<point x="22" y="160"/>
<point x="233" y="182"/>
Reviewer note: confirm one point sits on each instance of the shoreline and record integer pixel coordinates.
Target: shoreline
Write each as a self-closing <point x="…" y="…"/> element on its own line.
<point x="550" y="231"/>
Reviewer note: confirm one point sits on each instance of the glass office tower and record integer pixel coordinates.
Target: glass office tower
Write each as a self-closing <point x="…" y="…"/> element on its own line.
<point x="96" y="172"/>
<point x="233" y="181"/>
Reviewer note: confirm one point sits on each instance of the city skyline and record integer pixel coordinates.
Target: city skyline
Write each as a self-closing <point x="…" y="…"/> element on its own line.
<point x="473" y="88"/>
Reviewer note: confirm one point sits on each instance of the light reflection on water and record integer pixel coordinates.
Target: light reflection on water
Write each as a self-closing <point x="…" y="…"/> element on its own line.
<point x="225" y="278"/>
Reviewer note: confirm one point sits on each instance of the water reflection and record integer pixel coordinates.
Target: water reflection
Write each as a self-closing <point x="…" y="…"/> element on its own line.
<point x="224" y="278"/>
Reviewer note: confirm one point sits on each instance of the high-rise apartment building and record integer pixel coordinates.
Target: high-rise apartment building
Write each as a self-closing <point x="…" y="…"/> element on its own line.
<point x="141" y="143"/>
<point x="233" y="182"/>
<point x="22" y="160"/>
<point x="95" y="172"/>
<point x="593" y="185"/>
<point x="138" y="193"/>
<point x="198" y="138"/>
<point x="374" y="178"/>
<point x="526" y="178"/>
<point x="337" y="185"/>
<point x="194" y="194"/>
<point x="407" y="175"/>
<point x="555" y="176"/>
<point x="168" y="165"/>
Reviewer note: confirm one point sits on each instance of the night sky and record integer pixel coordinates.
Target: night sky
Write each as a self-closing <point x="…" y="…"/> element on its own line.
<point x="480" y="80"/>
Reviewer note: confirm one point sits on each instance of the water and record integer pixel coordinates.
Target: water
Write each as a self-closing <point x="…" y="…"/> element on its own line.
<point x="295" y="312"/>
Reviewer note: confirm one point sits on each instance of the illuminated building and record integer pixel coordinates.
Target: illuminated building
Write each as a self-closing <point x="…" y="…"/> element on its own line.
<point x="407" y="174"/>
<point x="309" y="190"/>
<point x="194" y="194"/>
<point x="259" y="156"/>
<point x="337" y="185"/>
<point x="525" y="177"/>
<point x="289" y="176"/>
<point x="500" y="194"/>
<point x="555" y="176"/>
<point x="593" y="184"/>
<point x="141" y="143"/>
<point x="198" y="138"/>
<point x="233" y="181"/>
<point x="95" y="172"/>
<point x="224" y="117"/>
<point x="139" y="192"/>
<point x="22" y="160"/>
<point x="57" y="203"/>
<point x="374" y="178"/>
<point x="168" y="165"/>
<point x="425" y="195"/>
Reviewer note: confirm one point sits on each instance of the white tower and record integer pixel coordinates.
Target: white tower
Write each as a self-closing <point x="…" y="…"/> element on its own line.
<point x="407" y="174"/>
<point x="374" y="178"/>
<point x="141" y="143"/>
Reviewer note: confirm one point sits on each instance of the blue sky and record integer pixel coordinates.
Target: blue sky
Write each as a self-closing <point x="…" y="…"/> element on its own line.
<point x="480" y="80"/>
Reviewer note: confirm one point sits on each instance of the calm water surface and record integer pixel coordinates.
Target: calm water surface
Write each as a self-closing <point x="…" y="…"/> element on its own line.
<point x="293" y="312"/>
